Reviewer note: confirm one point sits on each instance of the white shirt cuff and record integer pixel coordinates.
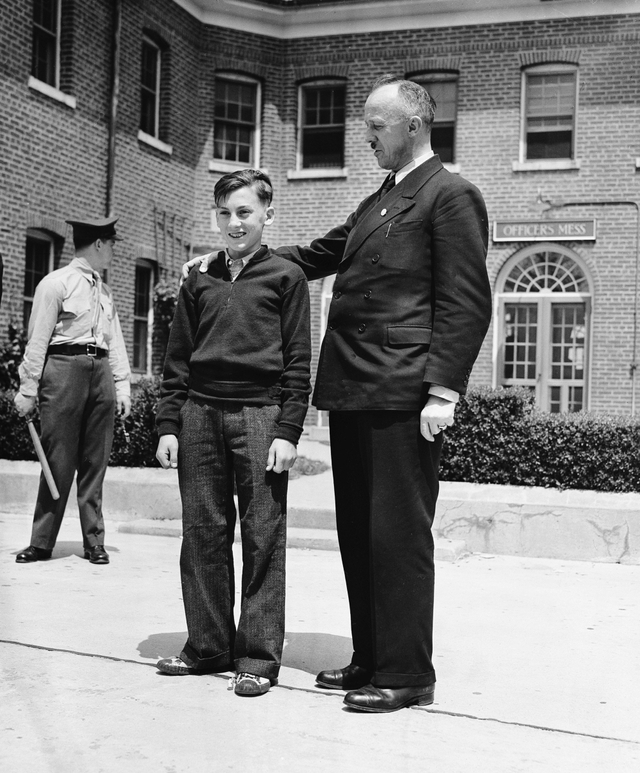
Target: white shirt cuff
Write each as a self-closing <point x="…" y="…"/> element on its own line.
<point x="444" y="393"/>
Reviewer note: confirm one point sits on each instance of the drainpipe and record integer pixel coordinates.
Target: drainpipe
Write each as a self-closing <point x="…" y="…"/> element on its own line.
<point x="113" y="110"/>
<point x="550" y="204"/>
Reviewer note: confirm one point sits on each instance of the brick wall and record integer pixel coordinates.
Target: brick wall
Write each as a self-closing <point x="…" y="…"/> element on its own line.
<point x="55" y="158"/>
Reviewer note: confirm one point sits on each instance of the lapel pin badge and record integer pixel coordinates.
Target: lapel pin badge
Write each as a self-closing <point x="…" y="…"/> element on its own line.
<point x="384" y="212"/>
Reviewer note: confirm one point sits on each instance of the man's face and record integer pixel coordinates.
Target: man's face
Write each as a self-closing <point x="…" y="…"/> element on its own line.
<point x="387" y="128"/>
<point x="241" y="218"/>
<point x="104" y="253"/>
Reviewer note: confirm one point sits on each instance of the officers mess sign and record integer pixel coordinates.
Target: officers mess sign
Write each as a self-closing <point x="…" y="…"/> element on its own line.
<point x="544" y="230"/>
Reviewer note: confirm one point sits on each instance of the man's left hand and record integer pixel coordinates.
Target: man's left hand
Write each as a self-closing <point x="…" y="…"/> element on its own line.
<point x="123" y="403"/>
<point x="436" y="416"/>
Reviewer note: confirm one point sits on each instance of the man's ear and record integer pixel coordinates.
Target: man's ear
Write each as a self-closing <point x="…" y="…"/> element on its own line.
<point x="270" y="216"/>
<point x="415" y="124"/>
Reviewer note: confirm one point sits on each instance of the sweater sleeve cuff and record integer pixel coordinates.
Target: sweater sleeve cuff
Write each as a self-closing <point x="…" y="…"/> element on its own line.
<point x="289" y="432"/>
<point x="168" y="428"/>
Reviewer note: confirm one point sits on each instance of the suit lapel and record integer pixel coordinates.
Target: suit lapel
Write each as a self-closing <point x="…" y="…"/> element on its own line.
<point x="397" y="200"/>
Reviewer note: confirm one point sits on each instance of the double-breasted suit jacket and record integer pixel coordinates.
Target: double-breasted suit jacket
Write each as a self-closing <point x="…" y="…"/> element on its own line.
<point x="411" y="300"/>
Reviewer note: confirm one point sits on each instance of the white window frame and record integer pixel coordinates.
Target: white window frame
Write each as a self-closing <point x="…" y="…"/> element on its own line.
<point x="40" y="236"/>
<point x="149" y="266"/>
<point x="524" y="164"/>
<point x="301" y="173"/>
<point x="219" y="164"/>
<point x="436" y="76"/>
<point x="52" y="90"/>
<point x="147" y="40"/>
<point x="544" y="300"/>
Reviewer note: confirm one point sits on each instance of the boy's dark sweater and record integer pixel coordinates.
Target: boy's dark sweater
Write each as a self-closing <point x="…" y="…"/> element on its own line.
<point x="244" y="342"/>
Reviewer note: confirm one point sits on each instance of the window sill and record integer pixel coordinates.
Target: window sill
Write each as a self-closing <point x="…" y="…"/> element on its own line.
<point x="453" y="168"/>
<point x="50" y="91"/>
<point x="149" y="139"/>
<point x="544" y="165"/>
<point x="217" y="165"/>
<point x="317" y="174"/>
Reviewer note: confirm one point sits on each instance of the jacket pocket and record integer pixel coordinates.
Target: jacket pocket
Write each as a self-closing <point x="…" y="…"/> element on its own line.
<point x="408" y="335"/>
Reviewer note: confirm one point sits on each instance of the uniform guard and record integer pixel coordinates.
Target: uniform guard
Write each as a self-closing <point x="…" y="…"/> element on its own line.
<point x="76" y="364"/>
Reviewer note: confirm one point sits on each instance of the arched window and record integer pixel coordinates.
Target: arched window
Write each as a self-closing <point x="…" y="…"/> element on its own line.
<point x="544" y="307"/>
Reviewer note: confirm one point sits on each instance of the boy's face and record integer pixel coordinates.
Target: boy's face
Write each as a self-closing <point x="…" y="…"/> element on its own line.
<point x="241" y="218"/>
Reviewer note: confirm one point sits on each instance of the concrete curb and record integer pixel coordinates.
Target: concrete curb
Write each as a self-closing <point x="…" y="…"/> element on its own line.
<point x="498" y="520"/>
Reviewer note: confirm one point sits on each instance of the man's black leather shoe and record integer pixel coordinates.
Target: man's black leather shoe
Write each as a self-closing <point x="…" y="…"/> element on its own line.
<point x="30" y="554"/>
<point x="349" y="678"/>
<point x="383" y="699"/>
<point x="97" y="555"/>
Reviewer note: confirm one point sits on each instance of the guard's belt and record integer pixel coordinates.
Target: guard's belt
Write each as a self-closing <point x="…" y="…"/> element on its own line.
<point x="74" y="349"/>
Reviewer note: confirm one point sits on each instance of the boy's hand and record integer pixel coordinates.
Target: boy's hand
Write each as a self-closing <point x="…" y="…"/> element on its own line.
<point x="167" y="453"/>
<point x="282" y="455"/>
<point x="203" y="260"/>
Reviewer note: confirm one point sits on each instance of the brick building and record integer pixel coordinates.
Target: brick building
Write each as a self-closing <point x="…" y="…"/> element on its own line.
<point x="137" y="107"/>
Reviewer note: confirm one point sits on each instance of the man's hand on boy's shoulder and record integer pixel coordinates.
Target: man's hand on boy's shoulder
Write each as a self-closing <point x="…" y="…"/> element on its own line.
<point x="167" y="453"/>
<point x="202" y="260"/>
<point x="282" y="455"/>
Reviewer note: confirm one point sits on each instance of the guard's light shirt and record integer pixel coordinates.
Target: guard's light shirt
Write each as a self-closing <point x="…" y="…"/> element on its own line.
<point x="72" y="306"/>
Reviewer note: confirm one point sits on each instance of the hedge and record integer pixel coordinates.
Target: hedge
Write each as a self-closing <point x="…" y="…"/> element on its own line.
<point x="498" y="437"/>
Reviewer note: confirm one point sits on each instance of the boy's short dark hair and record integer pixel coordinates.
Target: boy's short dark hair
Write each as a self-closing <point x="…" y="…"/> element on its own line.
<point x="243" y="178"/>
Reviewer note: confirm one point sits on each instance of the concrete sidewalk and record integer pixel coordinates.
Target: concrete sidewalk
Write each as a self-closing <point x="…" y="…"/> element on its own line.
<point x="537" y="661"/>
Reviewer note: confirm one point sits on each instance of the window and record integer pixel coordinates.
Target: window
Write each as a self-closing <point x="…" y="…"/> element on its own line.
<point x="322" y="125"/>
<point x="45" y="41"/>
<point x="549" y="104"/>
<point x="150" y="88"/>
<point x="143" y="317"/>
<point x="236" y="128"/>
<point x="38" y="263"/>
<point x="544" y="307"/>
<point x="443" y="88"/>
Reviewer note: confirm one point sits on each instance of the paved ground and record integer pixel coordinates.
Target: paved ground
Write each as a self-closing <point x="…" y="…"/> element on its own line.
<point x="537" y="660"/>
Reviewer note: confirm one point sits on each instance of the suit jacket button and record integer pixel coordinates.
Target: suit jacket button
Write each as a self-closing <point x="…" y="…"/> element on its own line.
<point x="331" y="327"/>
<point x="337" y="294"/>
<point x="367" y="295"/>
<point x="362" y="328"/>
<point x="375" y="258"/>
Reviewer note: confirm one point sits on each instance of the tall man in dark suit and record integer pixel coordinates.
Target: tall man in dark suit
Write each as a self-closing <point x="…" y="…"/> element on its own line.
<point x="411" y="306"/>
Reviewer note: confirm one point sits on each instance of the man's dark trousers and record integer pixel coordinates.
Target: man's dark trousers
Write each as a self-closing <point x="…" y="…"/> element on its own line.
<point x="386" y="486"/>
<point x="77" y="401"/>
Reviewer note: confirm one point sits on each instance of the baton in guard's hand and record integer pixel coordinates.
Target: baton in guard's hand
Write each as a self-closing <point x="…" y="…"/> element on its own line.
<point x="46" y="470"/>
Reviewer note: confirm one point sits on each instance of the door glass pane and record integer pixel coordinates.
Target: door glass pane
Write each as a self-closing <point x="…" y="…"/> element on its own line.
<point x="520" y="342"/>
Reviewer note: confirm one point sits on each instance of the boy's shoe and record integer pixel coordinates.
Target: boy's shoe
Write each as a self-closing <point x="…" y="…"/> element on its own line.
<point x="250" y="684"/>
<point x="174" y="666"/>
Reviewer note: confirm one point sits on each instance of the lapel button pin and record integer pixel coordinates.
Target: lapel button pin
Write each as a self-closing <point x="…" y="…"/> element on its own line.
<point x="384" y="212"/>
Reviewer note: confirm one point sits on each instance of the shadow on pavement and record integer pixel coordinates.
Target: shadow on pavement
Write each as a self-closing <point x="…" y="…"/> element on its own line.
<point x="313" y="652"/>
<point x="162" y="645"/>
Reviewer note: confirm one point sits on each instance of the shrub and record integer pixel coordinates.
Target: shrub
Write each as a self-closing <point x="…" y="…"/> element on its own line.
<point x="499" y="437"/>
<point x="140" y="450"/>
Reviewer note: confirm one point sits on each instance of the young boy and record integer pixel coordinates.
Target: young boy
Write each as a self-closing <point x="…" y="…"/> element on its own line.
<point x="233" y="402"/>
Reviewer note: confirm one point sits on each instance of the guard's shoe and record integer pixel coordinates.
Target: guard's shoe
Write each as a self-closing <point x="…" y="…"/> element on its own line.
<point x="174" y="666"/>
<point x="32" y="553"/>
<point x="250" y="684"/>
<point x="97" y="554"/>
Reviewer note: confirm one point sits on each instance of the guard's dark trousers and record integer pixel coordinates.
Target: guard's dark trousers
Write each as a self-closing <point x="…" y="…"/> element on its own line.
<point x="77" y="409"/>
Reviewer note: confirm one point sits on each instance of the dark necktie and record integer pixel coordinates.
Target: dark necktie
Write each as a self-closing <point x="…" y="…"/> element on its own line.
<point x="387" y="185"/>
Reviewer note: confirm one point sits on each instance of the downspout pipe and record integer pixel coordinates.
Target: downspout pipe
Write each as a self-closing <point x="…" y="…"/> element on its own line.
<point x="113" y="109"/>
